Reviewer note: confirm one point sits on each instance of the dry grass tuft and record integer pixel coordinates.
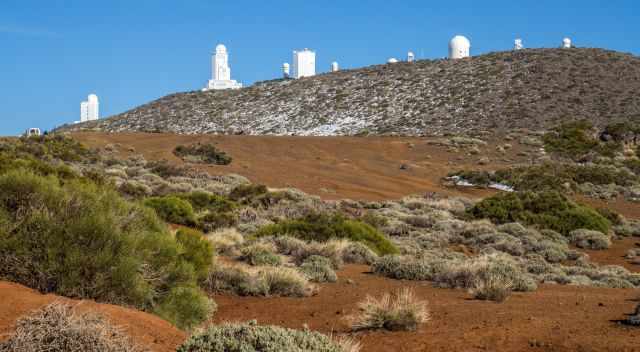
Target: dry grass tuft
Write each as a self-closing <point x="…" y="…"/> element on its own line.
<point x="397" y="311"/>
<point x="57" y="327"/>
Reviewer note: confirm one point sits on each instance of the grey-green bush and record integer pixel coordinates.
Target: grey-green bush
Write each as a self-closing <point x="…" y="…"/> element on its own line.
<point x="250" y="337"/>
<point x="318" y="269"/>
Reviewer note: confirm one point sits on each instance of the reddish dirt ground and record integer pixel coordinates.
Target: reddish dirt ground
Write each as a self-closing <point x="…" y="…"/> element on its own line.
<point x="145" y="329"/>
<point x="330" y="167"/>
<point x="554" y="318"/>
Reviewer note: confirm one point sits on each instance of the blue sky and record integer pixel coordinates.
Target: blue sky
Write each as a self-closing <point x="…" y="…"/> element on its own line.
<point x="54" y="53"/>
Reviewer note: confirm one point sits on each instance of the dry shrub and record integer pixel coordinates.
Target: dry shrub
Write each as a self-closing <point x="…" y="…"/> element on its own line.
<point x="397" y="311"/>
<point x="259" y="281"/>
<point x="491" y="287"/>
<point x="57" y="327"/>
<point x="226" y="241"/>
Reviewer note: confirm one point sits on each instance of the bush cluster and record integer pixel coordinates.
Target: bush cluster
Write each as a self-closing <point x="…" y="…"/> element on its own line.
<point x="258" y="281"/>
<point x="202" y="153"/>
<point x="321" y="227"/>
<point x="79" y="239"/>
<point x="318" y="269"/>
<point x="547" y="210"/>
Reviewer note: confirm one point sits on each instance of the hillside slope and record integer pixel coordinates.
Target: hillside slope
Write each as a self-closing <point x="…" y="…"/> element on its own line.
<point x="516" y="89"/>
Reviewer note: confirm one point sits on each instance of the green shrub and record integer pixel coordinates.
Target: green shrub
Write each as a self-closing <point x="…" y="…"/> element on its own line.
<point x="251" y="337"/>
<point x="547" y="210"/>
<point x="172" y="209"/>
<point x="244" y="193"/>
<point x="197" y="250"/>
<point x="206" y="201"/>
<point x="404" y="268"/>
<point x="202" y="153"/>
<point x="572" y="139"/>
<point x="491" y="288"/>
<point x="186" y="307"/>
<point x="322" y="228"/>
<point x="78" y="239"/>
<point x="212" y="221"/>
<point x="318" y="269"/>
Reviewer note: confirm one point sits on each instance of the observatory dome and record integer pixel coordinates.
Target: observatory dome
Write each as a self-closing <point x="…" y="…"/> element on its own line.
<point x="92" y="98"/>
<point x="221" y="48"/>
<point x="459" y="47"/>
<point x="566" y="43"/>
<point x="392" y="60"/>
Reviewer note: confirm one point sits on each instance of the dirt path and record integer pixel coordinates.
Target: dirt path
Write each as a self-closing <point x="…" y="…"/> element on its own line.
<point x="145" y="329"/>
<point x="554" y="318"/>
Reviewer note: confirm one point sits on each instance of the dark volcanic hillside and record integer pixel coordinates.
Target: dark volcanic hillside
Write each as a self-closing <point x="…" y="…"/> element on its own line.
<point x="530" y="88"/>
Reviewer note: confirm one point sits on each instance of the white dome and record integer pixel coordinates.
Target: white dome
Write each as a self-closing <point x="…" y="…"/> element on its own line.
<point x="92" y="98"/>
<point x="221" y="48"/>
<point x="392" y="60"/>
<point x="566" y="43"/>
<point x="459" y="47"/>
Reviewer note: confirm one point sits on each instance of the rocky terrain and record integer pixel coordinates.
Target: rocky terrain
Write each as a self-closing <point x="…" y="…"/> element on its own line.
<point x="533" y="88"/>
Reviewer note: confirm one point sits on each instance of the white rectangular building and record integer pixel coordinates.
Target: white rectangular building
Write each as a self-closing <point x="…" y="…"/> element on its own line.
<point x="304" y="63"/>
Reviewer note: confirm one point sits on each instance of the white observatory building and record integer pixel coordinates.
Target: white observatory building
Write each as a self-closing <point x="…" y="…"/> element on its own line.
<point x="517" y="45"/>
<point x="90" y="109"/>
<point x="304" y="63"/>
<point x="566" y="43"/>
<point x="392" y="60"/>
<point x="459" y="47"/>
<point x="335" y="67"/>
<point x="411" y="57"/>
<point x="220" y="71"/>
<point x="286" y="71"/>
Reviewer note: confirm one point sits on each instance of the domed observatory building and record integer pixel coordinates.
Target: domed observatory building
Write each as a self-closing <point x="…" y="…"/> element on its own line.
<point x="459" y="47"/>
<point x="566" y="43"/>
<point x="221" y="72"/>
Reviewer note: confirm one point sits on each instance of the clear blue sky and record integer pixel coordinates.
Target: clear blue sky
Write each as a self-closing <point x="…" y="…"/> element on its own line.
<point x="54" y="52"/>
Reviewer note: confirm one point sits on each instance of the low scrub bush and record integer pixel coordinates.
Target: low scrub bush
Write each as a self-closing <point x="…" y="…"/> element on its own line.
<point x="547" y="210"/>
<point x="491" y="287"/>
<point x="572" y="139"/>
<point x="318" y="269"/>
<point x="322" y="228"/>
<point x="226" y="241"/>
<point x="57" y="327"/>
<point x="260" y="254"/>
<point x="172" y="209"/>
<point x="405" y="268"/>
<point x="202" y="153"/>
<point x="588" y="239"/>
<point x="77" y="239"/>
<point x="259" y="281"/>
<point x="252" y="337"/>
<point x="398" y="311"/>
<point x="358" y="253"/>
<point x="201" y="201"/>
<point x="213" y="221"/>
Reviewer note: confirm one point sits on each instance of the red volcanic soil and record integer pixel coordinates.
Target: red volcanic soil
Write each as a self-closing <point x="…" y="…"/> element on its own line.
<point x="145" y="329"/>
<point x="554" y="318"/>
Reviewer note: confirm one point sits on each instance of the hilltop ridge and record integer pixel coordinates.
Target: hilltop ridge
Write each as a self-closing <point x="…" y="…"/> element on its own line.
<point x="531" y="88"/>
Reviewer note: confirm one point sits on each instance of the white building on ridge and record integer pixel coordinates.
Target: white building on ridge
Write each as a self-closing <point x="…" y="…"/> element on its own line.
<point x="517" y="45"/>
<point x="566" y="43"/>
<point x="90" y="109"/>
<point x="411" y="57"/>
<point x="304" y="63"/>
<point x="459" y="47"/>
<point x="335" y="67"/>
<point x="220" y="71"/>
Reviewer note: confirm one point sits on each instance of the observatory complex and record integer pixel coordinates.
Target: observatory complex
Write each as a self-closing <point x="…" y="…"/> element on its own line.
<point x="459" y="47"/>
<point x="90" y="109"/>
<point x="220" y="71"/>
<point x="304" y="63"/>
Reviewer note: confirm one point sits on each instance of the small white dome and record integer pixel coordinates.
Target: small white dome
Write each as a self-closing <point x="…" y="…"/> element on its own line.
<point x="459" y="47"/>
<point x="221" y="48"/>
<point x="92" y="98"/>
<point x="566" y="43"/>
<point x="392" y="60"/>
